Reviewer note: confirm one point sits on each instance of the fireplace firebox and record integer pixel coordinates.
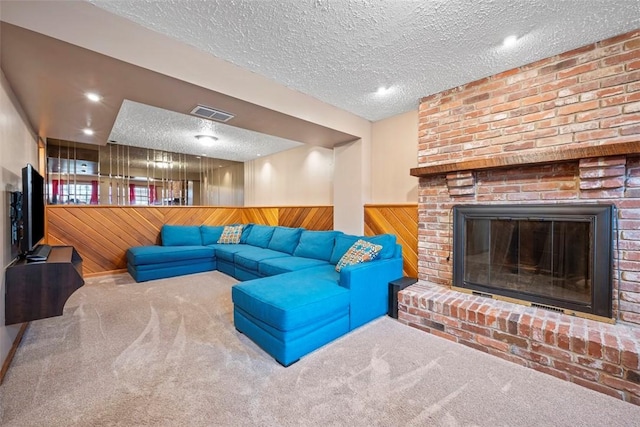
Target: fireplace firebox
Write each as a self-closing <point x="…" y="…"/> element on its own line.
<point x="553" y="256"/>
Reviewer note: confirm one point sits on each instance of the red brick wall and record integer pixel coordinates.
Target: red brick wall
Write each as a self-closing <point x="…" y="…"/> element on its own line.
<point x="589" y="96"/>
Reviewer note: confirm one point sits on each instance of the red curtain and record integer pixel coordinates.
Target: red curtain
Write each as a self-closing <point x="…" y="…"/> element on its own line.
<point x="132" y="194"/>
<point x="94" y="193"/>
<point x="55" y="188"/>
<point x="152" y="194"/>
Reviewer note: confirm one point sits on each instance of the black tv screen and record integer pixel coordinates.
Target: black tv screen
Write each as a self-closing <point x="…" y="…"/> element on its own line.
<point x="32" y="208"/>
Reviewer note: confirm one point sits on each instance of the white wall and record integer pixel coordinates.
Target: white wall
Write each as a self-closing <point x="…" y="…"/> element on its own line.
<point x="352" y="189"/>
<point x="18" y="147"/>
<point x="394" y="151"/>
<point x="301" y="176"/>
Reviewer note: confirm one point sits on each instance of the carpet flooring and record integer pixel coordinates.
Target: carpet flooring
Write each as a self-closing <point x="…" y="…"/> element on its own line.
<point x="166" y="353"/>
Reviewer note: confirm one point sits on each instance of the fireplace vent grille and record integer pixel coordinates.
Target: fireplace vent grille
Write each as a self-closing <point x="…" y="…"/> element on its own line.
<point x="550" y="308"/>
<point x="481" y="294"/>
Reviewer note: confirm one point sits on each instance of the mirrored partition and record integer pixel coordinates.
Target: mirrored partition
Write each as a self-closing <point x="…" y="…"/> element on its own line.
<point x="121" y="175"/>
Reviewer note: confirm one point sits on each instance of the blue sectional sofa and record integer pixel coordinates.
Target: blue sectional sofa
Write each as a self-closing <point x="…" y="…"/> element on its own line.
<point x="292" y="299"/>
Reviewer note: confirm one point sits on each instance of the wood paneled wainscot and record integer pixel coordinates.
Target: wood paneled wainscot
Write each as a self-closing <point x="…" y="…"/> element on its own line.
<point x="401" y="220"/>
<point x="102" y="234"/>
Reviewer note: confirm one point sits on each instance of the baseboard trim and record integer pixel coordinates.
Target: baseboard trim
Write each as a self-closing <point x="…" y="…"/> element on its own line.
<point x="105" y="273"/>
<point x="12" y="352"/>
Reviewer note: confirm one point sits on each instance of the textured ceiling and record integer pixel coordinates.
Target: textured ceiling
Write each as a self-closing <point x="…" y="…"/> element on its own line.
<point x="140" y="125"/>
<point x="342" y="51"/>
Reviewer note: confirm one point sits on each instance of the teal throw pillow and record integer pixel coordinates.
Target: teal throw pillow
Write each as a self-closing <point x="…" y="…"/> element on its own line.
<point x="231" y="234"/>
<point x="360" y="252"/>
<point x="345" y="241"/>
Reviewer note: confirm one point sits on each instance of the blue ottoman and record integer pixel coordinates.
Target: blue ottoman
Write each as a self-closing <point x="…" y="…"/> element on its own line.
<point x="290" y="315"/>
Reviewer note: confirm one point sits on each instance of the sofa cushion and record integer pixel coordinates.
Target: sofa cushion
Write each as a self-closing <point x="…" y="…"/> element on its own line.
<point x="260" y="235"/>
<point x="180" y="235"/>
<point x="345" y="241"/>
<point x="250" y="257"/>
<point x="316" y="244"/>
<point x="226" y="251"/>
<point x="290" y="301"/>
<point x="230" y="235"/>
<point x="245" y="232"/>
<point x="142" y="255"/>
<point x="211" y="233"/>
<point x="360" y="252"/>
<point x="287" y="264"/>
<point x="285" y="239"/>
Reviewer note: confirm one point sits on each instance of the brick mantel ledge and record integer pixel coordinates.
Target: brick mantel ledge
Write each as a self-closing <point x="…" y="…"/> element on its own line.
<point x="550" y="155"/>
<point x="600" y="356"/>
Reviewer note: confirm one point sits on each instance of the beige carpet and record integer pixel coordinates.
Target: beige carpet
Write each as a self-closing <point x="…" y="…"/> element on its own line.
<point x="166" y="353"/>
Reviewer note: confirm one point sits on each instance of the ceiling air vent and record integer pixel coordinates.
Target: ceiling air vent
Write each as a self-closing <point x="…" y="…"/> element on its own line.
<point x="211" y="113"/>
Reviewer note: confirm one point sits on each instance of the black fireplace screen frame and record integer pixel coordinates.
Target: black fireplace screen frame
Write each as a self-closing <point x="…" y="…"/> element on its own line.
<point x="600" y="217"/>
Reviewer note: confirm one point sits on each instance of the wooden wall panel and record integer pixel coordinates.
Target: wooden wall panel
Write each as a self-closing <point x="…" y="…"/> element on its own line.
<point x="264" y="216"/>
<point x="309" y="217"/>
<point x="401" y="220"/>
<point x="102" y="234"/>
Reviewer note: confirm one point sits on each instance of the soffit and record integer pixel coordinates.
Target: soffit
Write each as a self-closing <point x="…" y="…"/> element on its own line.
<point x="50" y="77"/>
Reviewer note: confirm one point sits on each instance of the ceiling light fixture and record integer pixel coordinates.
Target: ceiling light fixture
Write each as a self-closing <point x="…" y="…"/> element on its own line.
<point x="382" y="91"/>
<point x="87" y="131"/>
<point x="510" y="41"/>
<point x="92" y="96"/>
<point x="206" y="139"/>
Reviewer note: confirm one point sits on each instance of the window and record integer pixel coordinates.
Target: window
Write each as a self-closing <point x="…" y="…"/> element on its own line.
<point x="142" y="195"/>
<point x="73" y="194"/>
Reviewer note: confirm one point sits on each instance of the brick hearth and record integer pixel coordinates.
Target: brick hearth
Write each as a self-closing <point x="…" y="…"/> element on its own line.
<point x="540" y="117"/>
<point x="596" y="355"/>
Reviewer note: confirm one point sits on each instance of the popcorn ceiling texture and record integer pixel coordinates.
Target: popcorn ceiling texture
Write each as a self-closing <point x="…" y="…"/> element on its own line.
<point x="140" y="125"/>
<point x="341" y="51"/>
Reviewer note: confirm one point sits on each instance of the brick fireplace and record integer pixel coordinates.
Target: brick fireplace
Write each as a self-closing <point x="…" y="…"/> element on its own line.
<point x="563" y="130"/>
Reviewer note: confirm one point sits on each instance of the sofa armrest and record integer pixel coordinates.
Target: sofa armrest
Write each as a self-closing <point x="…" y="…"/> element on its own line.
<point x="369" y="288"/>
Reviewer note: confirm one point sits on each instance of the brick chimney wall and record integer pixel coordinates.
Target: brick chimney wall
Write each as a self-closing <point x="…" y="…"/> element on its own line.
<point x="586" y="97"/>
<point x="589" y="97"/>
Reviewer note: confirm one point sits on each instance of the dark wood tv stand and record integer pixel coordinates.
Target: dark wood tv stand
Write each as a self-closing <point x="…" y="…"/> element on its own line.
<point x="39" y="289"/>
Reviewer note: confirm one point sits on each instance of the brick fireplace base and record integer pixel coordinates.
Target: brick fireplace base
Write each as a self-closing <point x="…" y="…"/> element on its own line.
<point x="596" y="355"/>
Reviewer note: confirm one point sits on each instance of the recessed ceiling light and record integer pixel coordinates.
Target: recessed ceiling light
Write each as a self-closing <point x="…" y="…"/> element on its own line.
<point x="88" y="131"/>
<point x="92" y="96"/>
<point x="382" y="90"/>
<point x="206" y="139"/>
<point x="259" y="155"/>
<point x="510" y="41"/>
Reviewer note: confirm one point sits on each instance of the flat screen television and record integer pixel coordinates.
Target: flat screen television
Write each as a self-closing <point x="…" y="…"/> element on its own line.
<point x="32" y="209"/>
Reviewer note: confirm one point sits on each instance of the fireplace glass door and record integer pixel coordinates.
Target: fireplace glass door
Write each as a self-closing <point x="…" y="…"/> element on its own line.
<point x="551" y="255"/>
<point x="546" y="258"/>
